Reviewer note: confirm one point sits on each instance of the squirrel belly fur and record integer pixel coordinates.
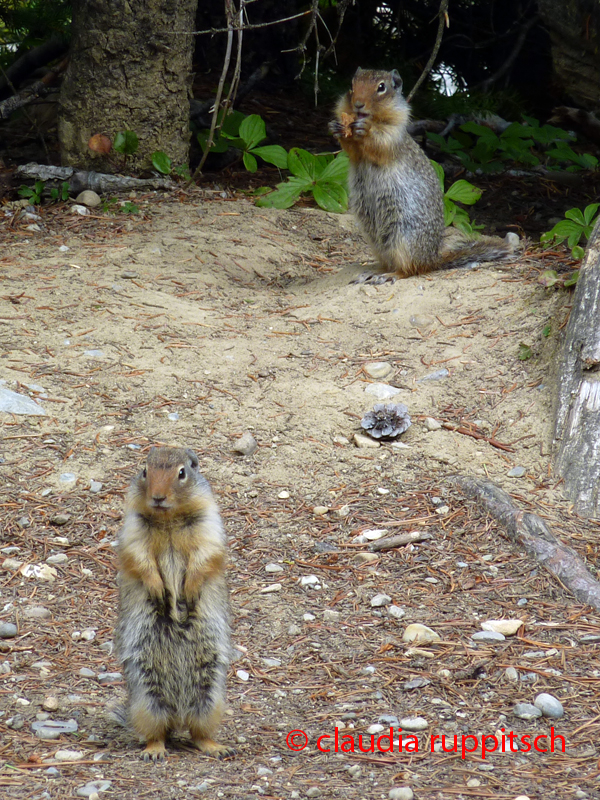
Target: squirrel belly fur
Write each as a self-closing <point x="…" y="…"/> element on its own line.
<point x="394" y="191"/>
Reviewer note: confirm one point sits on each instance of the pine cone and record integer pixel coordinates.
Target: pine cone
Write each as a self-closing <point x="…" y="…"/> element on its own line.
<point x="386" y="421"/>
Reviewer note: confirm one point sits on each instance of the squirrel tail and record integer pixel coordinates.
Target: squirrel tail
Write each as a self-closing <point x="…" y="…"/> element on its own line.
<point x="470" y="253"/>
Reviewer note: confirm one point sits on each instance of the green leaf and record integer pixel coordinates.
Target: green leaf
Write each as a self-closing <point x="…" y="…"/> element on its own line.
<point x="272" y="154"/>
<point x="589" y="212"/>
<point x="126" y="142"/>
<point x="450" y="210"/>
<point x="161" y="162"/>
<point x="336" y="170"/>
<point x="548" y="278"/>
<point x="26" y="191"/>
<point x="572" y="279"/>
<point x="578" y="252"/>
<point x="525" y="352"/>
<point x="576" y="215"/>
<point x="574" y="238"/>
<point x="285" y="195"/>
<point x="331" y="196"/>
<point x="439" y="171"/>
<point x="232" y="122"/>
<point x="302" y="163"/>
<point x="221" y="145"/>
<point x="463" y="192"/>
<point x="546" y="330"/>
<point x="250" y="162"/>
<point x="253" y="130"/>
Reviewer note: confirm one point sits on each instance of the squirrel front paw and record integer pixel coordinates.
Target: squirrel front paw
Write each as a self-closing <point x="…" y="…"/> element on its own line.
<point x="360" y="127"/>
<point x="336" y="129"/>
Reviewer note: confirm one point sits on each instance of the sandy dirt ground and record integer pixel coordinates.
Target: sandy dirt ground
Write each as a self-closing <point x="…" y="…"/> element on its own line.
<point x="204" y="318"/>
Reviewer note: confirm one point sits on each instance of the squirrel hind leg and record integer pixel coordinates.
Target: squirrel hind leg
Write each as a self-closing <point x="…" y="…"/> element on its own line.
<point x="153" y="728"/>
<point x="202" y="731"/>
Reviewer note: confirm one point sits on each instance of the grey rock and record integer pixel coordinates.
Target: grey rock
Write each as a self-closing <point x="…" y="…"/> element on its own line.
<point x="511" y="674"/>
<point x="378" y="369"/>
<point x="526" y="711"/>
<point x="93" y="787"/>
<point x="52" y="772"/>
<point x="95" y="487"/>
<point x="438" y="375"/>
<point x="380" y="600"/>
<point x="414" y="724"/>
<point x="401" y="793"/>
<point x="273" y="568"/>
<point x="329" y="615"/>
<point x="94" y="353"/>
<point x="416" y="683"/>
<point x="549" y="705"/>
<point x="129" y="274"/>
<point x="60" y="519"/>
<point x="88" y="198"/>
<point x="57" y="558"/>
<point x="488" y="636"/>
<point x="397" y="612"/>
<point x="432" y="424"/>
<point x="382" y="391"/>
<point x="362" y="441"/>
<point x="85" y="672"/>
<point x="53" y="728"/>
<point x="245" y="445"/>
<point x="16" y="722"/>
<point x="516" y="472"/>
<point x="107" y="678"/>
<point x="14" y="403"/>
<point x="388" y="719"/>
<point x="8" y="630"/>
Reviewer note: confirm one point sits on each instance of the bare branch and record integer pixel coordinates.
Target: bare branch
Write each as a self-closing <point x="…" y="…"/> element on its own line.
<point x="443" y="15"/>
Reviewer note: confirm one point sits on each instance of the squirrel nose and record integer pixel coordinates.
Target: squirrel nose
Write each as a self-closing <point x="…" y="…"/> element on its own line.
<point x="358" y="104"/>
<point x="158" y="500"/>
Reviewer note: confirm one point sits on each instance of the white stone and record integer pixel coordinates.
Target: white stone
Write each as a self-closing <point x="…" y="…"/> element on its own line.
<point x="396" y="611"/>
<point x="432" y="424"/>
<point x="365" y="442"/>
<point x="420" y="634"/>
<point x="508" y="627"/>
<point x="283" y="495"/>
<point x="401" y="793"/>
<point x="549" y="705"/>
<point x="413" y="724"/>
<point x="242" y="674"/>
<point x="69" y="755"/>
<point x="273" y="568"/>
<point x="320" y="511"/>
<point x="382" y="391"/>
<point x="380" y="600"/>
<point x="375" y="533"/>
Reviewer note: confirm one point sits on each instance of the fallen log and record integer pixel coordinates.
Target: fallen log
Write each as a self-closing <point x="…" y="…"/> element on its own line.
<point x="96" y="181"/>
<point x="532" y="533"/>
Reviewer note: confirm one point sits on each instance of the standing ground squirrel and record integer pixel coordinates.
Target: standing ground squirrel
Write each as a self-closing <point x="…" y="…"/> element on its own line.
<point x="394" y="190"/>
<point x="173" y="626"/>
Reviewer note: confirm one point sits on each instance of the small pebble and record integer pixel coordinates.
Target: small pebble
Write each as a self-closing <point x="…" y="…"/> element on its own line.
<point x="414" y="724"/>
<point x="88" y="635"/>
<point x="283" y="495"/>
<point x="129" y="274"/>
<point x="401" y="793"/>
<point x="396" y="611"/>
<point x="488" y="636"/>
<point x="375" y="729"/>
<point x="50" y="704"/>
<point x="355" y="771"/>
<point x="8" y="630"/>
<point x="380" y="600"/>
<point x="526" y="711"/>
<point x="329" y="615"/>
<point x="12" y="563"/>
<point x="57" y="558"/>
<point x="95" y="487"/>
<point x="245" y="445"/>
<point x="378" y="369"/>
<point x="549" y="705"/>
<point x="242" y="674"/>
<point x="272" y="662"/>
<point x="320" y="511"/>
<point x="53" y="728"/>
<point x="67" y="480"/>
<point x="93" y="787"/>
<point x="372" y="534"/>
<point x="382" y="391"/>
<point x="273" y="568"/>
<point x="522" y="602"/>
<point x="362" y="441"/>
<point x="343" y="511"/>
<point x="420" y="634"/>
<point x="85" y="672"/>
<point x="88" y="198"/>
<point x="511" y="674"/>
<point x="106" y="678"/>
<point x="309" y="580"/>
<point x="416" y="683"/>
<point x="438" y="375"/>
<point x="308" y="617"/>
<point x="52" y="772"/>
<point x="63" y="248"/>
<point x="60" y="519"/>
<point x="508" y="627"/>
<point x="274" y="587"/>
<point x="314" y="791"/>
<point x="516" y="472"/>
<point x="473" y="783"/>
<point x="69" y="755"/>
<point x="432" y="424"/>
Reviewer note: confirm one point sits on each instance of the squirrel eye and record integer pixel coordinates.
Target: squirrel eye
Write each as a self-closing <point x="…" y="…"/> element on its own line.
<point x="381" y="88"/>
<point x="144" y="473"/>
<point x="182" y="474"/>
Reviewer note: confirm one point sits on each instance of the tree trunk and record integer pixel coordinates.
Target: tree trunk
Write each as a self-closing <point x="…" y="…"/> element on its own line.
<point x="130" y="69"/>
<point x="574" y="28"/>
<point x="577" y="430"/>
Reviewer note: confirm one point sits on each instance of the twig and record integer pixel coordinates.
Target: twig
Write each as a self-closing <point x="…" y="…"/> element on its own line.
<point x="388" y="542"/>
<point x="443" y="15"/>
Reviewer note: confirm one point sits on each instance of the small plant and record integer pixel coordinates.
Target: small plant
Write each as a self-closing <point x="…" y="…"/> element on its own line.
<point x="576" y="224"/>
<point x="126" y="143"/>
<point x="61" y="193"/>
<point x="324" y="176"/>
<point x="33" y="193"/>
<point x="525" y="352"/>
<point x="460" y="192"/>
<point x="129" y="208"/>
<point x="112" y="205"/>
<point x="550" y="278"/>
<point x="246" y="133"/>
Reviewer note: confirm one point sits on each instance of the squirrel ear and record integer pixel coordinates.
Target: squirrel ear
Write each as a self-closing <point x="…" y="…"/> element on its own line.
<point x="396" y="79"/>
<point x="358" y="72"/>
<point x="193" y="458"/>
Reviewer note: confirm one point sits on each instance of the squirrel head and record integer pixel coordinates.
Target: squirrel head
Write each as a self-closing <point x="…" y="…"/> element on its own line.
<point x="373" y="86"/>
<point x="170" y="483"/>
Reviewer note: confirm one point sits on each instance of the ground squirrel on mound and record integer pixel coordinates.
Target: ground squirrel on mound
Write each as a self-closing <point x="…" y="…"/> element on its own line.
<point x="172" y="632"/>
<point x="394" y="190"/>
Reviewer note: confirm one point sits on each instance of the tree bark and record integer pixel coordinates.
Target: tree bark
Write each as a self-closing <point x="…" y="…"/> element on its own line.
<point x="577" y="428"/>
<point x="574" y="28"/>
<point x="130" y="69"/>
